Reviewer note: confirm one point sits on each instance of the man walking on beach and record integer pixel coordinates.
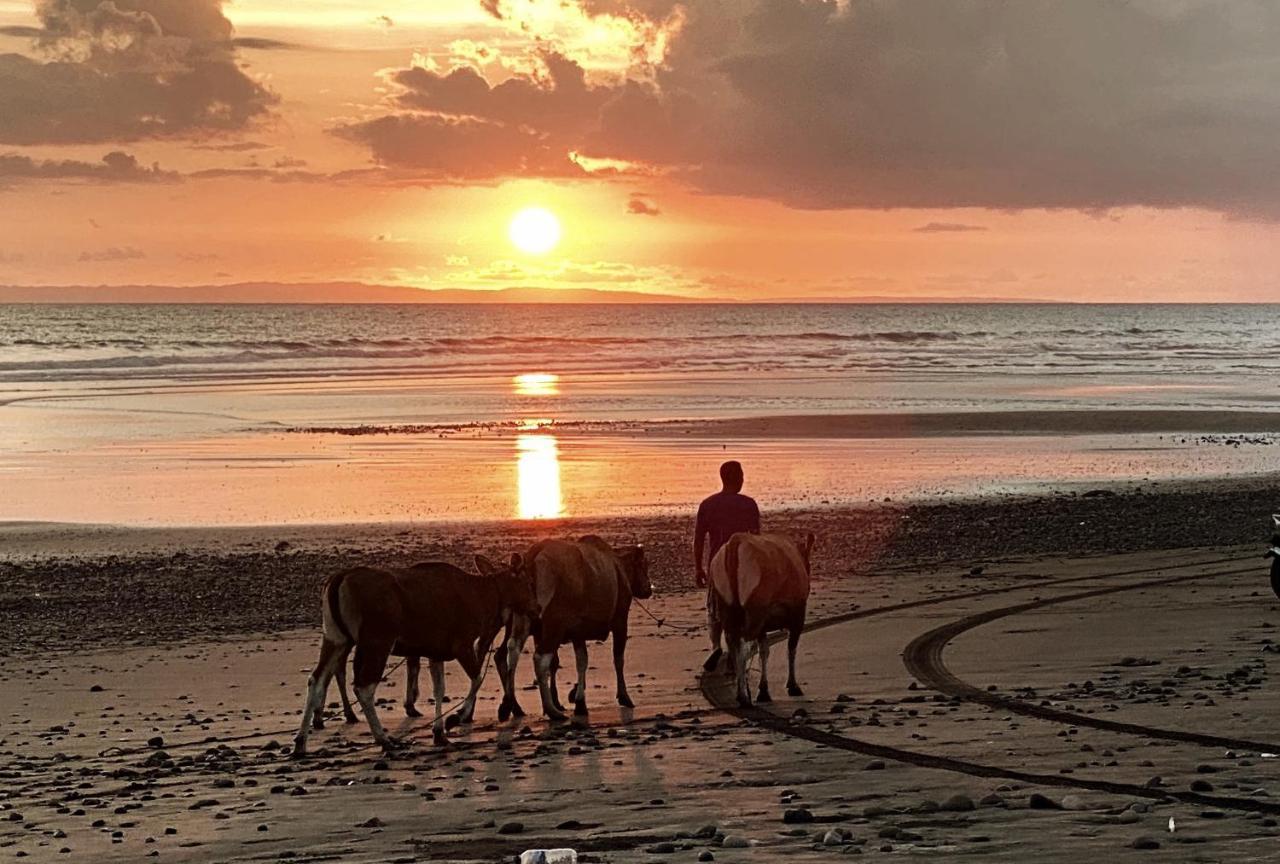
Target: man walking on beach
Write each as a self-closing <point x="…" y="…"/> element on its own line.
<point x="724" y="514"/>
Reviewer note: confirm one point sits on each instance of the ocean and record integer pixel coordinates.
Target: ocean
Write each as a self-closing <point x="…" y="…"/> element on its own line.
<point x="171" y="403"/>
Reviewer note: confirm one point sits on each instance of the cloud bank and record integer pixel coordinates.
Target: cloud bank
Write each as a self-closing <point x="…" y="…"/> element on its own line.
<point x="123" y="70"/>
<point x="1085" y="104"/>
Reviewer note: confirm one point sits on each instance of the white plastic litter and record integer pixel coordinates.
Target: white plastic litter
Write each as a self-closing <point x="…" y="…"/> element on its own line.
<point x="1173" y="826"/>
<point x="549" y="856"/>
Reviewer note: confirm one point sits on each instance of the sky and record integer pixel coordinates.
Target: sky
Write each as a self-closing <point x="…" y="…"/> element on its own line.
<point x="1086" y="150"/>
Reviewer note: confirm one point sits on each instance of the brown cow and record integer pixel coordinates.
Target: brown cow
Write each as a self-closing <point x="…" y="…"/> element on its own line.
<point x="432" y="610"/>
<point x="583" y="591"/>
<point x="759" y="583"/>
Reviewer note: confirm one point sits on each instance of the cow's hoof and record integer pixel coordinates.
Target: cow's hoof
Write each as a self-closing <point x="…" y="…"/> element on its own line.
<point x="763" y="695"/>
<point x="440" y="739"/>
<point x="317" y="723"/>
<point x="411" y="710"/>
<point x="516" y="710"/>
<point x="580" y="710"/>
<point x="453" y="721"/>
<point x="351" y="717"/>
<point x="504" y="709"/>
<point x="793" y="689"/>
<point x="555" y="715"/>
<point x="299" y="750"/>
<point x="744" y="701"/>
<point x="576" y="694"/>
<point x="625" y="701"/>
<point x="712" y="661"/>
<point x="391" y="745"/>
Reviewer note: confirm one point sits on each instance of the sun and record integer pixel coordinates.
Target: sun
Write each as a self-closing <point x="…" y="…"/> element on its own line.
<point x="535" y="230"/>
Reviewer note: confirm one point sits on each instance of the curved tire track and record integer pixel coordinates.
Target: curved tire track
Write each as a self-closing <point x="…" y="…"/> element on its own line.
<point x="718" y="690"/>
<point x="923" y="659"/>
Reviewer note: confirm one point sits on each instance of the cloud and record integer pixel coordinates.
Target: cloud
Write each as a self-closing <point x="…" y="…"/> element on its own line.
<point x="115" y="167"/>
<point x="638" y="206"/>
<point x="231" y="146"/>
<point x="259" y="43"/>
<point x="1082" y="104"/>
<point x="459" y="147"/>
<point x="123" y="70"/>
<point x="948" y="228"/>
<point x="113" y="253"/>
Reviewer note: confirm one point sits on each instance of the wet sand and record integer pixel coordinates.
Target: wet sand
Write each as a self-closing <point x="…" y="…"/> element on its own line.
<point x="969" y="689"/>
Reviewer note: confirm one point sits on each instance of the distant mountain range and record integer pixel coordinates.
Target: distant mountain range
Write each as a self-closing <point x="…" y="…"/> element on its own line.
<point x="360" y="292"/>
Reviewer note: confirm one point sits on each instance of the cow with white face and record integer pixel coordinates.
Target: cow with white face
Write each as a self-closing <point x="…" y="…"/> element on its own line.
<point x="759" y="584"/>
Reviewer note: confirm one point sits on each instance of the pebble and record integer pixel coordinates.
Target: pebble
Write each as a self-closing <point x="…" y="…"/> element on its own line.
<point x="958" y="804"/>
<point x="1145" y="843"/>
<point x="735" y="841"/>
<point x="1042" y="802"/>
<point x="797" y="816"/>
<point x="511" y="828"/>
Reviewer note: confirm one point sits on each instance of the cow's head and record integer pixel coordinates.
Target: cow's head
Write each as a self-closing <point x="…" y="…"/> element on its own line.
<point x="637" y="570"/>
<point x="513" y="585"/>
<point x="806" y="550"/>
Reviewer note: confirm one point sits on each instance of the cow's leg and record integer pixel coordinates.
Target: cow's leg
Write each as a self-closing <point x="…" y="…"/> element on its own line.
<point x="348" y="714"/>
<point x="370" y="664"/>
<point x="437" y="688"/>
<point x="472" y="664"/>
<point x="619" y="661"/>
<point x="340" y="673"/>
<point x="331" y="654"/>
<point x="544" y="654"/>
<point x="793" y="640"/>
<point x="715" y="629"/>
<point x="412" y="666"/>
<point x="508" y="655"/>
<point x="763" y="694"/>
<point x="555" y="685"/>
<point x="741" y="659"/>
<point x="578" y="695"/>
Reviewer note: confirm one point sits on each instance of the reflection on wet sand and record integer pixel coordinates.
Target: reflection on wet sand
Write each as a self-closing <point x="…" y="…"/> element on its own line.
<point x="538" y="477"/>
<point x="536" y="384"/>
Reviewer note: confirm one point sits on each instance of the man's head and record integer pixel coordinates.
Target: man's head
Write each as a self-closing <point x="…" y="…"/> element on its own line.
<point x="731" y="476"/>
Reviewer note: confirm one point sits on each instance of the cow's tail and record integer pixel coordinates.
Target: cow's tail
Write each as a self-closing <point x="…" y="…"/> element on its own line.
<point x="333" y="610"/>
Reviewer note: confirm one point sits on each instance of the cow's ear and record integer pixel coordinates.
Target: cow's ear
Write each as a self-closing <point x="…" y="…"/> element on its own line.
<point x="485" y="566"/>
<point x="517" y="561"/>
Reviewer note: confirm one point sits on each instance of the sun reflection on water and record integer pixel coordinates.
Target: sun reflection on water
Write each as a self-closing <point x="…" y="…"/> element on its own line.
<point x="538" y="477"/>
<point x="536" y="384"/>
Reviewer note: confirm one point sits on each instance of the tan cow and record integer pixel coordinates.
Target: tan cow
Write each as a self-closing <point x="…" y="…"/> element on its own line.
<point x="759" y="584"/>
<point x="433" y="610"/>
<point x="583" y="591"/>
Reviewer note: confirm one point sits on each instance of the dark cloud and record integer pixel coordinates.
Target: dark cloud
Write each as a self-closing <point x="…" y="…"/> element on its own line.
<point x="21" y="32"/>
<point x="1085" y="104"/>
<point x="459" y="147"/>
<point x="948" y="228"/>
<point x="259" y="43"/>
<point x="115" y="167"/>
<point x="232" y="146"/>
<point x="119" y="70"/>
<point x="112" y="254"/>
<point x="640" y="206"/>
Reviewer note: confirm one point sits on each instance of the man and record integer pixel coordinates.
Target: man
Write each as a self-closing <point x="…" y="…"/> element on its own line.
<point x="721" y="516"/>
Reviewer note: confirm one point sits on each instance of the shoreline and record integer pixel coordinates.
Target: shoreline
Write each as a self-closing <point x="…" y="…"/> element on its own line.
<point x="878" y="425"/>
<point x="75" y="587"/>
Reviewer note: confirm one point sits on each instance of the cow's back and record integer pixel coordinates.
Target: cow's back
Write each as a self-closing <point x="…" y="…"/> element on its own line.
<point x="760" y="570"/>
<point x="576" y="585"/>
<point x="446" y="608"/>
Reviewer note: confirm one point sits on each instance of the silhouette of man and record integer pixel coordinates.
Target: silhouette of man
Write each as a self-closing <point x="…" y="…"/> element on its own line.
<point x="724" y="514"/>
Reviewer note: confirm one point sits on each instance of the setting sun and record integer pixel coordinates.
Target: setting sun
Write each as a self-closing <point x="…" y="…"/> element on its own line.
<point x="534" y="230"/>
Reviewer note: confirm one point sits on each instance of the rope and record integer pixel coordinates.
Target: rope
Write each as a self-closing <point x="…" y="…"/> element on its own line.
<point x="662" y="622"/>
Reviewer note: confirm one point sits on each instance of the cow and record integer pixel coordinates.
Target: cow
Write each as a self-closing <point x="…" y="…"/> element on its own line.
<point x="582" y="590"/>
<point x="759" y="584"/>
<point x="434" y="610"/>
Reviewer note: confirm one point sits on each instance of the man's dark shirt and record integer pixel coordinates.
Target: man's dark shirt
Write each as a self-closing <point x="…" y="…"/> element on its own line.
<point x="725" y="514"/>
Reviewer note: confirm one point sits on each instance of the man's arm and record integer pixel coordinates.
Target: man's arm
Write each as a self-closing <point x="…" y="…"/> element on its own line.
<point x="755" y="518"/>
<point x="699" y="534"/>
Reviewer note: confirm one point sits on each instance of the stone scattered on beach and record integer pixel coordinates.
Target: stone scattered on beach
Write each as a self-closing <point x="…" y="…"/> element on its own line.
<point x="958" y="804"/>
<point x="735" y="841"/>
<point x="1145" y="842"/>
<point x="706" y="855"/>
<point x="797" y="816"/>
<point x="1042" y="802"/>
<point x="874" y="765"/>
<point x="511" y="828"/>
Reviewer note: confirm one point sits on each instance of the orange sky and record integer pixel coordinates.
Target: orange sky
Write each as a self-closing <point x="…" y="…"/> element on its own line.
<point x="783" y="150"/>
